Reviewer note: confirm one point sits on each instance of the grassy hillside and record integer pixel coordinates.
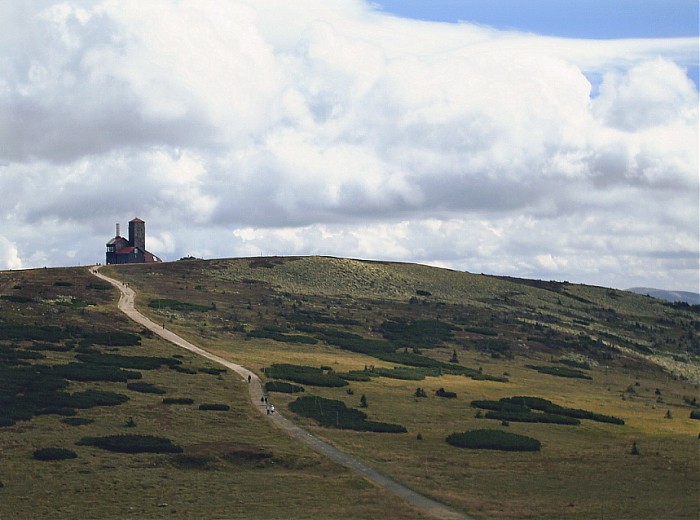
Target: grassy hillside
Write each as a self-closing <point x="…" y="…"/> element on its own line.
<point x="232" y="464"/>
<point x="384" y="330"/>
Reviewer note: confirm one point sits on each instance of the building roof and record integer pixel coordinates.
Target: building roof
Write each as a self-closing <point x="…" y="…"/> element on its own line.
<point x="126" y="250"/>
<point x="136" y="220"/>
<point x="117" y="240"/>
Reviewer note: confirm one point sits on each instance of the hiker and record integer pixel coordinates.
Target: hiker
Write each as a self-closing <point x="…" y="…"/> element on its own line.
<point x="272" y="409"/>
<point x="249" y="378"/>
<point x="267" y="409"/>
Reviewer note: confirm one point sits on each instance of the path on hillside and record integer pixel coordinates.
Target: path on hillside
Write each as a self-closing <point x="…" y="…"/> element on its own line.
<point x="255" y="391"/>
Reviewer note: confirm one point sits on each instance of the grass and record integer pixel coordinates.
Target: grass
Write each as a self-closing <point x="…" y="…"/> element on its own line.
<point x="581" y="472"/>
<point x="150" y="485"/>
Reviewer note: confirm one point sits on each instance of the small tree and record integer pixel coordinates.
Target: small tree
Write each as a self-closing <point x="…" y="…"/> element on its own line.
<point x="668" y="414"/>
<point x="454" y="358"/>
<point x="634" y="450"/>
<point x="363" y="401"/>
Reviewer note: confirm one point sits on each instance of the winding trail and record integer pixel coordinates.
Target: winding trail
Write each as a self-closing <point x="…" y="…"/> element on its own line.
<point x="255" y="391"/>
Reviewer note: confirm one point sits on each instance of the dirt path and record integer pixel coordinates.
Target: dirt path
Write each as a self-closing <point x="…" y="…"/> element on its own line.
<point x="255" y="391"/>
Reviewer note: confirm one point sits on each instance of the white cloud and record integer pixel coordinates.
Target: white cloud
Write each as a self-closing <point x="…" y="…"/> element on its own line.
<point x="312" y="127"/>
<point x="9" y="256"/>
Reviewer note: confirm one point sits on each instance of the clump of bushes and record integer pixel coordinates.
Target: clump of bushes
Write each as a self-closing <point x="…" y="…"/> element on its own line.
<point x="166" y="303"/>
<point x="177" y="400"/>
<point x="118" y="360"/>
<point x="132" y="444"/>
<point x="192" y="462"/>
<point x="92" y="398"/>
<point x="560" y="371"/>
<point x="354" y="375"/>
<point x="273" y="333"/>
<point x="304" y="375"/>
<point x="332" y="413"/>
<point x="183" y="370"/>
<point x="54" y="454"/>
<point x="493" y="440"/>
<point x="90" y="372"/>
<point x="575" y="364"/>
<point x="520" y="409"/>
<point x="215" y="407"/>
<point x="441" y="392"/>
<point x="694" y="414"/>
<point x="111" y="338"/>
<point x="212" y="371"/>
<point x="145" y="388"/>
<point x="283" y="387"/>
<point x="404" y="373"/>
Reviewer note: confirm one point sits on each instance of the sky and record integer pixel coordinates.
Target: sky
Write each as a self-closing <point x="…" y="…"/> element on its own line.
<point x="473" y="135"/>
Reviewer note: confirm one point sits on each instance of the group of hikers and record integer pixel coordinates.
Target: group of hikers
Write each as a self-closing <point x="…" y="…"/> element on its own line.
<point x="269" y="408"/>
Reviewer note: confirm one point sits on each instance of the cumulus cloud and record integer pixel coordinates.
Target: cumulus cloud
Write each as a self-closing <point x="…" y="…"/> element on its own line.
<point x="311" y="127"/>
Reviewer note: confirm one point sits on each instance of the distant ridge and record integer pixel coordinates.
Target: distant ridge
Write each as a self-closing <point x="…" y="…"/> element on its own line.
<point x="671" y="296"/>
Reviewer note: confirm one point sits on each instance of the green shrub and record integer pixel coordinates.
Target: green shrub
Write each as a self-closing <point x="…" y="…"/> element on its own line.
<point x="51" y="347"/>
<point x="354" y="375"/>
<point x="694" y="414"/>
<point x="112" y="338"/>
<point x="531" y="417"/>
<point x="54" y="454"/>
<point x="23" y="332"/>
<point x="90" y="372"/>
<point x="544" y="405"/>
<point x="407" y="374"/>
<point x="284" y="338"/>
<point x="441" y="392"/>
<point x="493" y="440"/>
<point x="332" y="413"/>
<point x="177" y="400"/>
<point x="575" y="364"/>
<point x="132" y="444"/>
<point x="100" y="286"/>
<point x="92" y="398"/>
<point x="145" y="388"/>
<point x="418" y="333"/>
<point x="509" y="408"/>
<point x="14" y="298"/>
<point x="165" y="303"/>
<point x="215" y="407"/>
<point x="60" y="283"/>
<point x="118" y="360"/>
<point x="304" y="375"/>
<point x="77" y="421"/>
<point x="560" y="371"/>
<point x="283" y="387"/>
<point x="6" y="421"/>
<point x="183" y="370"/>
<point x="192" y="462"/>
<point x="213" y="371"/>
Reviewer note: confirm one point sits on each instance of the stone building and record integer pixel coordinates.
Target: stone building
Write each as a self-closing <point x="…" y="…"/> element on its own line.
<point x="131" y="251"/>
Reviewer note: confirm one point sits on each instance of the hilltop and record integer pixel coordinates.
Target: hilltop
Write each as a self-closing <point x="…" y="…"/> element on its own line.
<point x="426" y="354"/>
<point x="691" y="298"/>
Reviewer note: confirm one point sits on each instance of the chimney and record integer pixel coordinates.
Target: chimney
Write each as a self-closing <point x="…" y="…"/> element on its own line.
<point x="118" y="230"/>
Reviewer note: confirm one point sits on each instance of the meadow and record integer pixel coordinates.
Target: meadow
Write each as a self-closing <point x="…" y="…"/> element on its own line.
<point x="386" y="330"/>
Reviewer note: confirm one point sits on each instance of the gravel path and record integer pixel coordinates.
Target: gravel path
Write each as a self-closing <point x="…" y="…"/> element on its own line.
<point x="255" y="390"/>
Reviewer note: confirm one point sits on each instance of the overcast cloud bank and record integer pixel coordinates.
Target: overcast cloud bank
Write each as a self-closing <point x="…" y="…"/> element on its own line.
<point x="315" y="127"/>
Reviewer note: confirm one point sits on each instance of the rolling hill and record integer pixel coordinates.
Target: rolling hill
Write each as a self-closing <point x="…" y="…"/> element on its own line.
<point x="424" y="354"/>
